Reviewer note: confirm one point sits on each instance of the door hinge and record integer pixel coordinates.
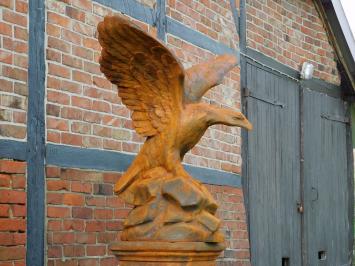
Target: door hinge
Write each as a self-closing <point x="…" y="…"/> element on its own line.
<point x="248" y="93"/>
<point x="336" y="118"/>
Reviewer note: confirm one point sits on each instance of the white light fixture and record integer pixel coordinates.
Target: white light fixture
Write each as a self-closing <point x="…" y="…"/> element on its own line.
<point x="307" y="70"/>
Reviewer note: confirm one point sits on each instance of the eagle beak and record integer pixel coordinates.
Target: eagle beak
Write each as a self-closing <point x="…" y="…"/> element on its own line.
<point x="242" y="121"/>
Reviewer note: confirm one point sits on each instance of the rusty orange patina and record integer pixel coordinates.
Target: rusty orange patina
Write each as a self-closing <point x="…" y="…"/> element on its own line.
<point x="165" y="102"/>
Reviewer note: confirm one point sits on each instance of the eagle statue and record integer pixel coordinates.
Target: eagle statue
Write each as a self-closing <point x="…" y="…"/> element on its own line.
<point x="166" y="106"/>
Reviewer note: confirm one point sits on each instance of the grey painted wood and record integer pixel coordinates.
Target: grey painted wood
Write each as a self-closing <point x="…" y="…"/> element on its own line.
<point x="13" y="149"/>
<point x="75" y="157"/>
<point x="161" y="19"/>
<point x="313" y="84"/>
<point x="327" y="226"/>
<point x="197" y="38"/>
<point x="132" y="8"/>
<point x="35" y="247"/>
<point x="273" y="169"/>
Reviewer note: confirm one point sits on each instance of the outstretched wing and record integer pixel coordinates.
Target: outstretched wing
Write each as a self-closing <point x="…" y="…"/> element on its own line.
<point x="149" y="78"/>
<point x="204" y="76"/>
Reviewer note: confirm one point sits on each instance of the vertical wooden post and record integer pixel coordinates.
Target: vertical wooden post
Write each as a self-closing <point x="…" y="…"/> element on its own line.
<point x="36" y="135"/>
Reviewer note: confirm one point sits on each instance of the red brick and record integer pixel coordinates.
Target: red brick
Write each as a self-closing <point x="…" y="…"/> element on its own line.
<point x="11" y="196"/>
<point x="53" y="136"/>
<point x="81" y="77"/>
<point x="71" y="37"/>
<point x="58" y="124"/>
<point x="58" y="212"/>
<point x="13" y="225"/>
<point x="75" y="13"/>
<point x="95" y="201"/>
<point x="5" y="180"/>
<point x="74" y="251"/>
<point x="52" y="171"/>
<point x="22" y="6"/>
<point x="6" y="57"/>
<point x="72" y="113"/>
<point x="12" y="131"/>
<point x="73" y="200"/>
<point x="21" y="33"/>
<point x="14" y="18"/>
<point x="54" y="252"/>
<point x="18" y="181"/>
<point x="7" y="3"/>
<point x="77" y="186"/>
<point x="85" y="238"/>
<point x="74" y="224"/>
<point x="114" y="226"/>
<point x="82" y="212"/>
<point x="88" y="262"/>
<point x="54" y="225"/>
<point x="103" y="214"/>
<point x="81" y="102"/>
<point x="56" y="185"/>
<point x="63" y="237"/>
<point x="12" y="239"/>
<point x="58" y="70"/>
<point x="18" y="210"/>
<point x="16" y="46"/>
<point x="4" y="210"/>
<point x="71" y="139"/>
<point x="58" y="19"/>
<point x="96" y="250"/>
<point x="95" y="226"/>
<point x="53" y="30"/>
<point x="55" y="198"/>
<point x="12" y="253"/>
<point x="58" y="97"/>
<point x="72" y="61"/>
<point x="58" y="44"/>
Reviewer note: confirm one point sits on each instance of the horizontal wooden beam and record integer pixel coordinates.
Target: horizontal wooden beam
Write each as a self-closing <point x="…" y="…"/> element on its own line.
<point x="314" y="84"/>
<point x="145" y="14"/>
<point x="197" y="38"/>
<point x="132" y="8"/>
<point x="75" y="157"/>
<point x="13" y="149"/>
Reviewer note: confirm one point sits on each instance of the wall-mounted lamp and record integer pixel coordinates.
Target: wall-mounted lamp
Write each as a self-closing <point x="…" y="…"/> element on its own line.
<point x="307" y="70"/>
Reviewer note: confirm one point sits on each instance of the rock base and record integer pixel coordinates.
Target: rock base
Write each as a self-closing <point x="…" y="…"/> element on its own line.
<point x="149" y="253"/>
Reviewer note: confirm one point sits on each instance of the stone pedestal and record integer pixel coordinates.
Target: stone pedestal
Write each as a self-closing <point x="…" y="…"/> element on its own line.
<point x="159" y="253"/>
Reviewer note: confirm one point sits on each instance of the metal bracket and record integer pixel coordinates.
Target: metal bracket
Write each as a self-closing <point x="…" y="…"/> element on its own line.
<point x="247" y="93"/>
<point x="336" y="118"/>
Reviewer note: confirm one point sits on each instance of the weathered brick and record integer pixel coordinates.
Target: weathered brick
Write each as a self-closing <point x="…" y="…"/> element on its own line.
<point x="82" y="212"/>
<point x="12" y="225"/>
<point x="58" y="212"/>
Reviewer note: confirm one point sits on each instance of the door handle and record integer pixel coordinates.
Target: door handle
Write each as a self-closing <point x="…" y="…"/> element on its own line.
<point x="315" y="194"/>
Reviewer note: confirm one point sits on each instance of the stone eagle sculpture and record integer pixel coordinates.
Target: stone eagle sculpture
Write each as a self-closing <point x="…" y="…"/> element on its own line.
<point x="166" y="109"/>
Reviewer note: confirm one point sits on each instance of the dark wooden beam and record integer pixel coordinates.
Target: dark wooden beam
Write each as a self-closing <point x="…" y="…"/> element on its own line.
<point x="13" y="149"/>
<point x="161" y="20"/>
<point x="131" y="8"/>
<point x="35" y="247"/>
<point x="75" y="157"/>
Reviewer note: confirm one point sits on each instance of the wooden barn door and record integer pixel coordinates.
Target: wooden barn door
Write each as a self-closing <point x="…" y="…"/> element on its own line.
<point x="297" y="194"/>
<point x="273" y="183"/>
<point x="326" y="221"/>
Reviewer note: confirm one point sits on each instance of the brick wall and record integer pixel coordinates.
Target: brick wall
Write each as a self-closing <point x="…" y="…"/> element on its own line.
<point x="83" y="110"/>
<point x="82" y="106"/>
<point x="13" y="68"/>
<point x="12" y="213"/>
<point x="84" y="217"/>
<point x="291" y="32"/>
